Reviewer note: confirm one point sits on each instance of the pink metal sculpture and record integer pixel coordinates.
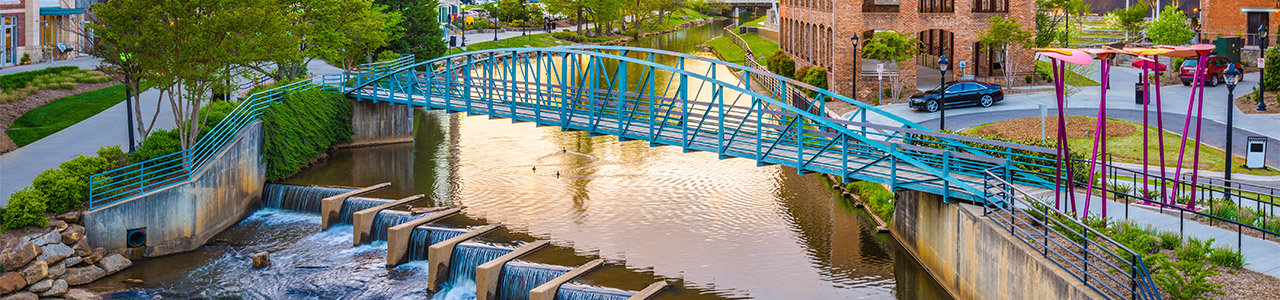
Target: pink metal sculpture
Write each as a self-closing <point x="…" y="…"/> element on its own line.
<point x="1059" y="59"/>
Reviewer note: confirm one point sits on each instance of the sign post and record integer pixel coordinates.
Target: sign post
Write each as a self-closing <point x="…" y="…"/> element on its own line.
<point x="880" y="82"/>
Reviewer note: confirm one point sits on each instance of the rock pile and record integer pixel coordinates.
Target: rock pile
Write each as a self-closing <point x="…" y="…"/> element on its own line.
<point x="47" y="264"/>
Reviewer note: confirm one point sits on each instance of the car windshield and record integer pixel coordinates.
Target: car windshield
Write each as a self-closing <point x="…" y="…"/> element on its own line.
<point x="1189" y="63"/>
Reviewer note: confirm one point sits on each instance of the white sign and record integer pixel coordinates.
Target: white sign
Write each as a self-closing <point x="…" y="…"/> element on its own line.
<point x="1262" y="63"/>
<point x="879" y="71"/>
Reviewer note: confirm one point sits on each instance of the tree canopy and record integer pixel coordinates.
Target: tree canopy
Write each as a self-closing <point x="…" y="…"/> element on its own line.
<point x="1170" y="28"/>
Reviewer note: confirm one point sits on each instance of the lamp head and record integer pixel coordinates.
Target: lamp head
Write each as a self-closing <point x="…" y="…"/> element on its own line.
<point x="854" y="39"/>
<point x="943" y="63"/>
<point x="1232" y="76"/>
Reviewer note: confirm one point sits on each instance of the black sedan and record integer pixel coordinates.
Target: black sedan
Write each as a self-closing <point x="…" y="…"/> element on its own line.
<point x="959" y="93"/>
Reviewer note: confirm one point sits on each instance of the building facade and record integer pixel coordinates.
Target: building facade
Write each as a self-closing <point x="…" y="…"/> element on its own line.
<point x="1238" y="18"/>
<point x="818" y="33"/>
<point x="39" y="30"/>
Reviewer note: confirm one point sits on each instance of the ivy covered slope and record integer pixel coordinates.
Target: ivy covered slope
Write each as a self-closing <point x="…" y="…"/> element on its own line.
<point x="302" y="127"/>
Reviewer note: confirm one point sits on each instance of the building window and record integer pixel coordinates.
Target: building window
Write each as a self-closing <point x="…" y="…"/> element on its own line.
<point x="937" y="6"/>
<point x="991" y="6"/>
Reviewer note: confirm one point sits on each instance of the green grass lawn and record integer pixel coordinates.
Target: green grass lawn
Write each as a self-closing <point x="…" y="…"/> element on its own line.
<point x="1073" y="78"/>
<point x="531" y="40"/>
<point x="755" y="23"/>
<point x="728" y="51"/>
<point x="674" y="19"/>
<point x="62" y="113"/>
<point x="760" y="47"/>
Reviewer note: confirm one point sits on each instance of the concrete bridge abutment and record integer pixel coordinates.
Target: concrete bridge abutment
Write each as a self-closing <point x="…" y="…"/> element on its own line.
<point x="378" y="123"/>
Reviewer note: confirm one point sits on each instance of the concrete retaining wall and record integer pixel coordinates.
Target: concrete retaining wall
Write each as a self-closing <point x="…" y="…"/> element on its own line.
<point x="184" y="216"/>
<point x="380" y="123"/>
<point x="972" y="257"/>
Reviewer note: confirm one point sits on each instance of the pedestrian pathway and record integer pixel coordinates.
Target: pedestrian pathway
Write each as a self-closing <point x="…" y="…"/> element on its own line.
<point x="83" y="62"/>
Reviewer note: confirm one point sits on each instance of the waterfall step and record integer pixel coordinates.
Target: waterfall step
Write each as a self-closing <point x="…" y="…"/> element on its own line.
<point x="440" y="254"/>
<point x="487" y="274"/>
<point x="547" y="291"/>
<point x="362" y="221"/>
<point x="649" y="291"/>
<point x="330" y="206"/>
<point x="398" y="236"/>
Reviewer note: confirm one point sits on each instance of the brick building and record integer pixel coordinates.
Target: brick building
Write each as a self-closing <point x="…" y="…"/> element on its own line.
<point x="39" y="29"/>
<point x="818" y="32"/>
<point x="1237" y="18"/>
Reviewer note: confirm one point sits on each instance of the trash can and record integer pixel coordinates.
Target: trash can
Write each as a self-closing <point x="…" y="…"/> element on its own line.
<point x="1256" y="152"/>
<point x="1137" y="93"/>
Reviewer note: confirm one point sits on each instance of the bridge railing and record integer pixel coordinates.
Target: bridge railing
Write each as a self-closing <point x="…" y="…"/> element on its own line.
<point x="121" y="183"/>
<point x="1101" y="263"/>
<point x="386" y="66"/>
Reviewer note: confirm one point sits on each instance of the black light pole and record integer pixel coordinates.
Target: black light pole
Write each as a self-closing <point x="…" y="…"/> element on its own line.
<point x="494" y="14"/>
<point x="1262" y="44"/>
<point x="943" y="63"/>
<point x="524" y="14"/>
<point x="128" y="111"/>
<point x="1232" y="76"/>
<point x="856" y="71"/>
<point x="464" y="32"/>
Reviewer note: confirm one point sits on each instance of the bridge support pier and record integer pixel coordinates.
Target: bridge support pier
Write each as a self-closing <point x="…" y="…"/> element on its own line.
<point x="380" y="123"/>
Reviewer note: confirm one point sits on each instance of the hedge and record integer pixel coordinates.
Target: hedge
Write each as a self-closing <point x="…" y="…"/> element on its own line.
<point x="302" y="127"/>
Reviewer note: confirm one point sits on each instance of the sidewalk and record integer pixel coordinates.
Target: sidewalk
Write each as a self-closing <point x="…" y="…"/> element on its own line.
<point x="20" y="167"/>
<point x="84" y="62"/>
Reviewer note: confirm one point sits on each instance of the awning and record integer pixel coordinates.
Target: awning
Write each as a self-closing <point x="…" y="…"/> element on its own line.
<point x="60" y="11"/>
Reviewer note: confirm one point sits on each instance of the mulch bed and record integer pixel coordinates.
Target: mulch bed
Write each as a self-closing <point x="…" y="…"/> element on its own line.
<point x="10" y="112"/>
<point x="1249" y="106"/>
<point x="1077" y="128"/>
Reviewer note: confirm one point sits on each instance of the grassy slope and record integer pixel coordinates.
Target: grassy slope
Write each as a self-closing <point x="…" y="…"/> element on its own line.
<point x="62" y="113"/>
<point x="755" y="23"/>
<point x="531" y="40"/>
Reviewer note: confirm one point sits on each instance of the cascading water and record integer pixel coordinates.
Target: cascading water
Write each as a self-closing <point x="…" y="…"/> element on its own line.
<point x="585" y="292"/>
<point x="355" y="204"/>
<point x="423" y="237"/>
<point x="467" y="256"/>
<point x="297" y="197"/>
<point x="520" y="277"/>
<point x="387" y="219"/>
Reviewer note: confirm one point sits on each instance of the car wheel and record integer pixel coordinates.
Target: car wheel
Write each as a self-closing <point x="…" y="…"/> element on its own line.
<point x="1186" y="83"/>
<point x="987" y="101"/>
<point x="931" y="106"/>
<point x="1213" y="80"/>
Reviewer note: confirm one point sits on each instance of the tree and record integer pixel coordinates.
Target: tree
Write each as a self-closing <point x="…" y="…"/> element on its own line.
<point x="1171" y="28"/>
<point x="422" y="35"/>
<point x="893" y="47"/>
<point x="117" y="46"/>
<point x="1053" y="20"/>
<point x="1002" y="36"/>
<point x="1129" y="19"/>
<point x="574" y="8"/>
<point x="345" y="32"/>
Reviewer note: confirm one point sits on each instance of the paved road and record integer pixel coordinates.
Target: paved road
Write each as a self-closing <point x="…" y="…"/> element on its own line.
<point x="20" y="167"/>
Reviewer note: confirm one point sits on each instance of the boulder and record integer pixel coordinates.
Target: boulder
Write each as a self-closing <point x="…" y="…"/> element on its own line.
<point x="95" y="257"/>
<point x="72" y="261"/>
<point x="72" y="235"/>
<point x="71" y="217"/>
<point x="58" y="269"/>
<point x="59" y="288"/>
<point x="35" y="271"/>
<point x="11" y="281"/>
<point x="114" y="263"/>
<point x="79" y="294"/>
<point x="58" y="225"/>
<point x="42" y="286"/>
<point x="20" y="255"/>
<point x="82" y="248"/>
<point x="261" y="260"/>
<point x="83" y="275"/>
<point x="47" y="238"/>
<point x="22" y="296"/>
<point x="52" y="253"/>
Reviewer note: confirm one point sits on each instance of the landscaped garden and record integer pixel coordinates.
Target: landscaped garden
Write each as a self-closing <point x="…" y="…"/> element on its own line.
<point x="34" y="104"/>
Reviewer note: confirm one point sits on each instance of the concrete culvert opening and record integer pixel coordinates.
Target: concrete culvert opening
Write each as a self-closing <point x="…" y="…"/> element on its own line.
<point x="136" y="237"/>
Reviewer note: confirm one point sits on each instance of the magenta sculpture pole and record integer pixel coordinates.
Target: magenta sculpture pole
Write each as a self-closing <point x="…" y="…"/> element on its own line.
<point x="1099" y="139"/>
<point x="1197" y="87"/>
<point x="1164" y="194"/>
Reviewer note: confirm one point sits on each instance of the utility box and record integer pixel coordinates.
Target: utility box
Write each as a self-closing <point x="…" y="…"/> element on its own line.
<point x="1229" y="47"/>
<point x="1256" y="154"/>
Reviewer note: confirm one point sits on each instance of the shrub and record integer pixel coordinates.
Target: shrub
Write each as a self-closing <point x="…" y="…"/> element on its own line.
<point x="113" y="154"/>
<point x="1271" y="73"/>
<point x="1183" y="280"/>
<point x="1225" y="257"/>
<point x="876" y="196"/>
<point x="26" y="208"/>
<point x="1139" y="239"/>
<point x="780" y="63"/>
<point x="214" y="113"/>
<point x="387" y="55"/>
<point x="1027" y="78"/>
<point x="816" y="77"/>
<point x="1169" y="240"/>
<point x="158" y="143"/>
<point x="62" y="191"/>
<point x="800" y="73"/>
<point x="301" y="127"/>
<point x="1194" y="250"/>
<point x="578" y="38"/>
<point x="26" y="58"/>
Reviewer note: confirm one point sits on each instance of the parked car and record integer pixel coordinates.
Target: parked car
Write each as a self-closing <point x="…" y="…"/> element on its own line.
<point x="1217" y="64"/>
<point x="959" y="93"/>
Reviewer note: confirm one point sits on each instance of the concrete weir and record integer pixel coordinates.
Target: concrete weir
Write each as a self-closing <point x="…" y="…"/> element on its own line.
<point x="362" y="221"/>
<point x="974" y="258"/>
<point x="649" y="291"/>
<point x="398" y="236"/>
<point x="330" y="206"/>
<point x="488" y="273"/>
<point x="547" y="291"/>
<point x="439" y="256"/>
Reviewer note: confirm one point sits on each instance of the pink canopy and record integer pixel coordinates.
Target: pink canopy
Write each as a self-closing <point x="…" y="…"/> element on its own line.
<point x="1147" y="64"/>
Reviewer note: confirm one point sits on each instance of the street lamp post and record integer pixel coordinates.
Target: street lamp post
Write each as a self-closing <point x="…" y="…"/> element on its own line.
<point x="856" y="71"/>
<point x="943" y="63"/>
<point x="1233" y="77"/>
<point x="524" y="14"/>
<point x="494" y="14"/>
<point x="1262" y="45"/>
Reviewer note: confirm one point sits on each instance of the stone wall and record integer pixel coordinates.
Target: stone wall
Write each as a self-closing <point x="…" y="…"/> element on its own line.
<point x="380" y="123"/>
<point x="184" y="216"/>
<point x="972" y="257"/>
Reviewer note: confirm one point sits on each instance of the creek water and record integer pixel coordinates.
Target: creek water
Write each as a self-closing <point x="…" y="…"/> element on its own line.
<point x="715" y="228"/>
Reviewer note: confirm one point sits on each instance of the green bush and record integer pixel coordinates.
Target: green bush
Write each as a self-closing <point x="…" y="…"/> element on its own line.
<point x="158" y="143"/>
<point x="62" y="191"/>
<point x="816" y="77"/>
<point x="1225" y="257"/>
<point x="214" y="113"/>
<point x="1140" y="239"/>
<point x="113" y="154"/>
<point x="1194" y="250"/>
<point x="387" y="55"/>
<point x="780" y="63"/>
<point x="26" y="208"/>
<point x="1169" y="240"/>
<point x="1183" y="280"/>
<point x="800" y="73"/>
<point x="880" y="200"/>
<point x="1271" y="73"/>
<point x="22" y="79"/>
<point x="578" y="38"/>
<point x="301" y="127"/>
